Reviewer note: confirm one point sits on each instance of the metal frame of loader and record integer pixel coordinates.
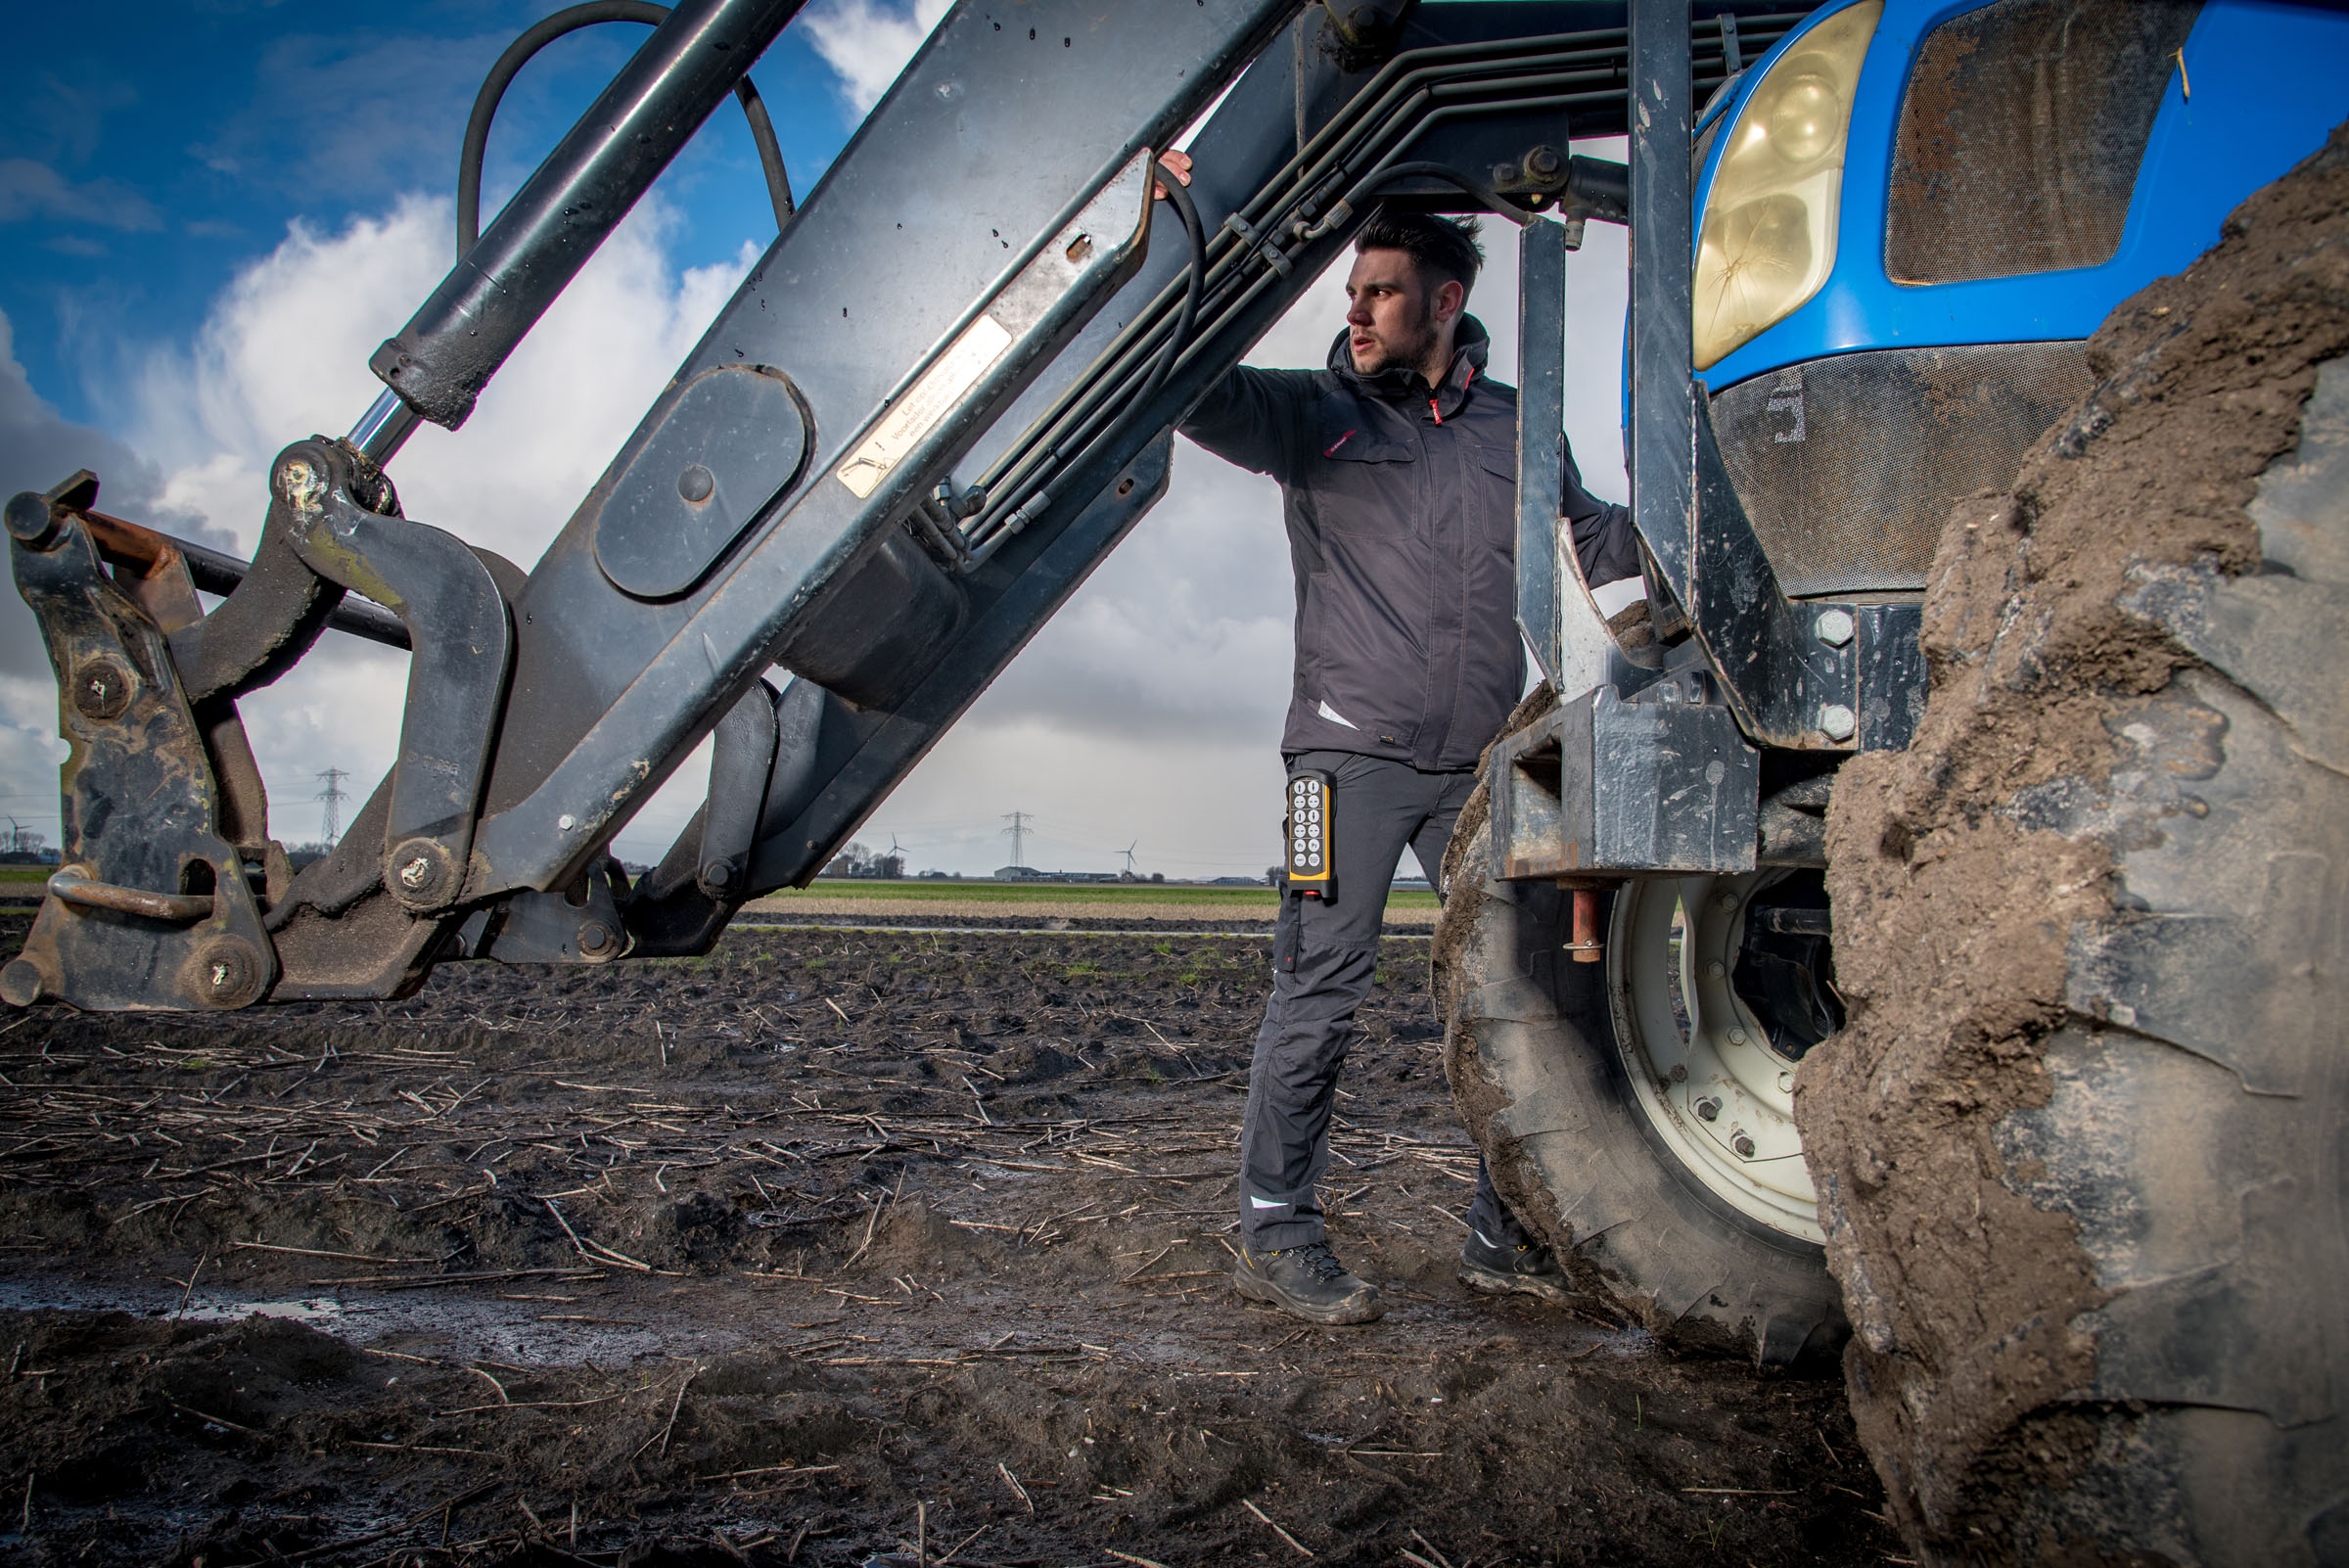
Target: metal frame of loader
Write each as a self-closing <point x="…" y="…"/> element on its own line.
<point x="1655" y="770"/>
<point x="790" y="499"/>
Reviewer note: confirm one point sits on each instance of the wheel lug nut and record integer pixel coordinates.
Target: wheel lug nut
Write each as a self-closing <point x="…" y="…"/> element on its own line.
<point x="1743" y="1144"/>
<point x="1737" y="1036"/>
<point x="1709" y="1108"/>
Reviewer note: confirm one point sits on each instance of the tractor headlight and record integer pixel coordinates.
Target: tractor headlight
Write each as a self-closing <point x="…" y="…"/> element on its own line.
<point x="1768" y="239"/>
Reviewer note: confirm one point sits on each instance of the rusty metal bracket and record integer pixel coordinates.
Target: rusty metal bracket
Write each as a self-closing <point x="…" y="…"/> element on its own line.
<point x="153" y="906"/>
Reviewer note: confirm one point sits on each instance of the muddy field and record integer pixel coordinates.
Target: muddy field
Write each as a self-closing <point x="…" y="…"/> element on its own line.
<point x="834" y="1247"/>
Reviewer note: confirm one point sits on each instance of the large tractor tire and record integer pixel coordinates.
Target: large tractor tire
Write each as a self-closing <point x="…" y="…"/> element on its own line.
<point x="2082" y="1147"/>
<point x="1587" y="1087"/>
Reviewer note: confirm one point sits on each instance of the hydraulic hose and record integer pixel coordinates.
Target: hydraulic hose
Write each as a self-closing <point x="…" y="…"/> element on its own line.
<point x="1465" y="183"/>
<point x="1194" y="281"/>
<point x="1313" y="195"/>
<point x="545" y="32"/>
<point x="1313" y="178"/>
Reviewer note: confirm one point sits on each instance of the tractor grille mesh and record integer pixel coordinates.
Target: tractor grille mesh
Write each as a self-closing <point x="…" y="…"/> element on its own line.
<point x="2021" y="132"/>
<point x="1848" y="466"/>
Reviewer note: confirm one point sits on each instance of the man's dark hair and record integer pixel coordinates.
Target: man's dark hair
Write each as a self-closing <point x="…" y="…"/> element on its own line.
<point x="1441" y="248"/>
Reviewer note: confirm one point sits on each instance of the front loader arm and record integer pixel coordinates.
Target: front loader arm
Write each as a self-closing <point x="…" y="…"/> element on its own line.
<point x="935" y="404"/>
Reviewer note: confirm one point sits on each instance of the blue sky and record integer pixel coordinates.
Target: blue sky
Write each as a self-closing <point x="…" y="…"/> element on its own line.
<point x="210" y="213"/>
<point x="152" y="150"/>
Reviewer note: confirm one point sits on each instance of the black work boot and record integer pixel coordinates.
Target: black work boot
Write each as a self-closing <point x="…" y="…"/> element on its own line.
<point x="1501" y="1267"/>
<point x="1306" y="1282"/>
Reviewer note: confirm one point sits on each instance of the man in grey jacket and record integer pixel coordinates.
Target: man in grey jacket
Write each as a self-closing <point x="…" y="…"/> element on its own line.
<point x="1398" y="471"/>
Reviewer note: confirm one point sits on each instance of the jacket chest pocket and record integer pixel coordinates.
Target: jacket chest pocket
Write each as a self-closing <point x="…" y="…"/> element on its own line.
<point x="1492" y="473"/>
<point x="1365" y="485"/>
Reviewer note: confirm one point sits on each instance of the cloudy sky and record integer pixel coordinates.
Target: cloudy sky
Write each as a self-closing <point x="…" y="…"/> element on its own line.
<point x="210" y="212"/>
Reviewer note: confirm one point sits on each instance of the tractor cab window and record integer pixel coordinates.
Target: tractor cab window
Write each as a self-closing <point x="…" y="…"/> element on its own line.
<point x="2020" y="135"/>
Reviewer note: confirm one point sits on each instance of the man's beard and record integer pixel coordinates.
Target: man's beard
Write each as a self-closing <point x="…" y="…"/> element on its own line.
<point x="1409" y="354"/>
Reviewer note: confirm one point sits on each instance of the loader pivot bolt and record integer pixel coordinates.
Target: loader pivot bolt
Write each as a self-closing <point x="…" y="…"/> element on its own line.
<point x="102" y="689"/>
<point x="21" y="982"/>
<point x="299" y="485"/>
<point x="695" y="484"/>
<point x="1709" y="1108"/>
<point x="423" y="874"/>
<point x="1837" y="721"/>
<point x="596" y="938"/>
<point x="31" y="522"/>
<point x="227" y="973"/>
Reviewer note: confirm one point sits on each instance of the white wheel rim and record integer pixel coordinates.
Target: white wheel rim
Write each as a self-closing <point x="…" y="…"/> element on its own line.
<point x="1719" y="1059"/>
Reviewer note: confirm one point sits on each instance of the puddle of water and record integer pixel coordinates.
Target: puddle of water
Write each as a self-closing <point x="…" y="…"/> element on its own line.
<point x="316" y="1309"/>
<point x="454" y="1323"/>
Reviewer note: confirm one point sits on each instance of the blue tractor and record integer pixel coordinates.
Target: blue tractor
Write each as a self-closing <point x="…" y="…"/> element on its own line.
<point x="1923" y="923"/>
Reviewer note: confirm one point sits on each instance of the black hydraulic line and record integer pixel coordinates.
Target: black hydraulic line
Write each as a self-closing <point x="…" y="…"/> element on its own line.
<point x="1452" y="68"/>
<point x="1194" y="281"/>
<point x="771" y="153"/>
<point x="545" y="32"/>
<point x="1065" y="426"/>
<point x="453" y="345"/>
<point x="1472" y="186"/>
<point x="1234" y="244"/>
<point x="1389" y="97"/>
<point x="1393" y="102"/>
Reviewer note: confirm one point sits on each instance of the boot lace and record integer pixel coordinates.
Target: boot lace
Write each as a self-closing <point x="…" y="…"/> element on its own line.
<point x="1317" y="1260"/>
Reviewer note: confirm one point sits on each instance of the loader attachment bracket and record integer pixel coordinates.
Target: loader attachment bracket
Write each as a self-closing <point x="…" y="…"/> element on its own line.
<point x="1604" y="787"/>
<point x="154" y="904"/>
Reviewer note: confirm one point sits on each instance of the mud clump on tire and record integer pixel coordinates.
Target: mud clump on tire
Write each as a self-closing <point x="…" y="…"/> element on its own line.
<point x="1955" y="902"/>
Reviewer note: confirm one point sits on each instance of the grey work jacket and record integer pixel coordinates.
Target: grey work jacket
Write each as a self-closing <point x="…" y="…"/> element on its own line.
<point x="1402" y="509"/>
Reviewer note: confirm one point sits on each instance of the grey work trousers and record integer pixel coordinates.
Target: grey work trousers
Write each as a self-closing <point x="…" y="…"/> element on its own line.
<point x="1324" y="956"/>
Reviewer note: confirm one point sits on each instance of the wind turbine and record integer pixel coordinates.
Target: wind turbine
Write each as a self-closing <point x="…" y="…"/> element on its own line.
<point x="1127" y="852"/>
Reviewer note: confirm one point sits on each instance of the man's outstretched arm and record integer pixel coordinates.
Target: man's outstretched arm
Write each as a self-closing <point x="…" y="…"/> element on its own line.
<point x="1247" y="418"/>
<point x="1605" y="545"/>
<point x="1244" y="418"/>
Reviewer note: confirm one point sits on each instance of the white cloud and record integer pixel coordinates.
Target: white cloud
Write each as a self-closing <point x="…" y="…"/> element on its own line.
<point x="283" y="353"/>
<point x="867" y="43"/>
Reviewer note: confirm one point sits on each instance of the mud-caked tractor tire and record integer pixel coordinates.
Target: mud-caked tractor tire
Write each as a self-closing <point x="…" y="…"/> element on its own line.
<point x="2081" y="1148"/>
<point x="1550" y="1073"/>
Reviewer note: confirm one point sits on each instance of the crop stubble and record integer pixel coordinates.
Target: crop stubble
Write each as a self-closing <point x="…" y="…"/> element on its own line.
<point x="830" y="1244"/>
